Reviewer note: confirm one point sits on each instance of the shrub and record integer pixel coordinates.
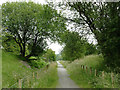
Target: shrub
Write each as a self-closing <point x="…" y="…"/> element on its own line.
<point x="38" y="63"/>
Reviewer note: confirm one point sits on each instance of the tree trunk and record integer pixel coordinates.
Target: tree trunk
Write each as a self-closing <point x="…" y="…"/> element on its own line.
<point x="28" y="56"/>
<point x="23" y="52"/>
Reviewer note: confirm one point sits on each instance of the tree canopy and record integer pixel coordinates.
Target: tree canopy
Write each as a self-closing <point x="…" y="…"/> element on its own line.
<point x="30" y="24"/>
<point x="76" y="46"/>
<point x="49" y="55"/>
<point x="103" y="20"/>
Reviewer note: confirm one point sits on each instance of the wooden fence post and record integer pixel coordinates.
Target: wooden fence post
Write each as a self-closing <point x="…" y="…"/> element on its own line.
<point x="47" y="66"/>
<point x="95" y="72"/>
<point x="112" y="78"/>
<point x="33" y="75"/>
<point x="90" y="70"/>
<point x="86" y="68"/>
<point x="37" y="74"/>
<point x="20" y="83"/>
<point x="83" y="67"/>
<point x="103" y="74"/>
<point x="28" y="81"/>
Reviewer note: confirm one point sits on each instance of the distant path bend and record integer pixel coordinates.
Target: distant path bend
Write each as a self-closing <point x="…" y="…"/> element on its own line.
<point x="64" y="80"/>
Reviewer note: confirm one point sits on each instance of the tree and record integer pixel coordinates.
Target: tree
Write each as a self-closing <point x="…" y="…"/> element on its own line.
<point x="103" y="19"/>
<point x="30" y="25"/>
<point x="74" y="46"/>
<point x="90" y="49"/>
<point x="49" y="55"/>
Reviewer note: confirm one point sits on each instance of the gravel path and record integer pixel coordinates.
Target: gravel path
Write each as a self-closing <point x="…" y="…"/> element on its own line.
<point x="64" y="79"/>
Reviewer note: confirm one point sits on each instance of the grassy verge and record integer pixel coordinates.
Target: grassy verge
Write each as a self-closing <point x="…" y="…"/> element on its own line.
<point x="85" y="79"/>
<point x="0" y="69"/>
<point x="13" y="71"/>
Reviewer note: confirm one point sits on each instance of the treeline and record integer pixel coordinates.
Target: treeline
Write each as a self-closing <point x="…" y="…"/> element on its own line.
<point x="76" y="47"/>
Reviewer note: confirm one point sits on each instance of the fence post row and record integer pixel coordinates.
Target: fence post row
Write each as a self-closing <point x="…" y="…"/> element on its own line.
<point x="95" y="73"/>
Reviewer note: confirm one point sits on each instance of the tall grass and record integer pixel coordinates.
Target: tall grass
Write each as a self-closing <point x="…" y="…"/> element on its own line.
<point x="0" y="69"/>
<point x="13" y="70"/>
<point x="86" y="80"/>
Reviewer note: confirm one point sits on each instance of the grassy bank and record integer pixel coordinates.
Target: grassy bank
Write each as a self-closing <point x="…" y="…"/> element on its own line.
<point x="14" y="71"/>
<point x="0" y="69"/>
<point x="85" y="79"/>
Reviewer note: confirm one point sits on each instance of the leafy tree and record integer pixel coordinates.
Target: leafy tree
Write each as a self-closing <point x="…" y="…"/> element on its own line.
<point x="74" y="46"/>
<point x="30" y="24"/>
<point x="103" y="19"/>
<point x="90" y="49"/>
<point x="49" y="55"/>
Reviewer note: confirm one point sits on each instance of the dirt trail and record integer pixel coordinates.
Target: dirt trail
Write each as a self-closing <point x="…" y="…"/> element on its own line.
<point x="64" y="79"/>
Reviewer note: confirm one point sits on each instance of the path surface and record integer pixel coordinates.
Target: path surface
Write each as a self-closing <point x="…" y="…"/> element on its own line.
<point x="64" y="80"/>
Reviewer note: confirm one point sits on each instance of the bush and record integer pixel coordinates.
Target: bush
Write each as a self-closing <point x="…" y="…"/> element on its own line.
<point x="38" y="63"/>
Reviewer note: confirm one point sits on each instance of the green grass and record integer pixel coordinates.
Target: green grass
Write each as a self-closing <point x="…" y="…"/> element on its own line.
<point x="13" y="70"/>
<point x="0" y="69"/>
<point x="86" y="80"/>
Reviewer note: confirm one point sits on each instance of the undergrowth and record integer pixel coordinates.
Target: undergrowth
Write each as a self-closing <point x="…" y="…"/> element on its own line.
<point x="85" y="79"/>
<point x="13" y="70"/>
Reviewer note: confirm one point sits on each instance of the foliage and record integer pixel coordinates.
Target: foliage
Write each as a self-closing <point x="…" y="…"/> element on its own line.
<point x="38" y="63"/>
<point x="103" y="20"/>
<point x="74" y="46"/>
<point x="30" y="24"/>
<point x="9" y="44"/>
<point x="49" y="55"/>
<point x="90" y="49"/>
<point x="85" y="79"/>
<point x="14" y="69"/>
